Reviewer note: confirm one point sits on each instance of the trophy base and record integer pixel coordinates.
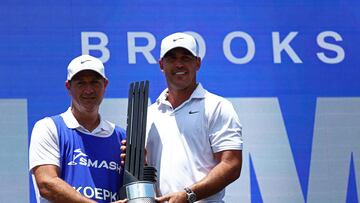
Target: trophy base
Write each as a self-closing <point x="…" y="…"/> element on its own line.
<point x="142" y="200"/>
<point x="140" y="192"/>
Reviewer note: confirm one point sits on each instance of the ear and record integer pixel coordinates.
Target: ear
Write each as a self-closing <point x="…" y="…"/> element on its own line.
<point x="198" y="63"/>
<point x="161" y="63"/>
<point x="106" y="82"/>
<point x="67" y="84"/>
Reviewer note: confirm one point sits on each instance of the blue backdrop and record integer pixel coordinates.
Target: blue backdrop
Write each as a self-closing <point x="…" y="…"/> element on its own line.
<point x="289" y="67"/>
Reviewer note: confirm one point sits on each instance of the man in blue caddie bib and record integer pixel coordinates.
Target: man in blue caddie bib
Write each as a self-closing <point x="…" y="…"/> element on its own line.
<point x="75" y="156"/>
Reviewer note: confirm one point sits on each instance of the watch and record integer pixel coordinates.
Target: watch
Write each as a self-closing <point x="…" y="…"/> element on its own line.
<point x="191" y="196"/>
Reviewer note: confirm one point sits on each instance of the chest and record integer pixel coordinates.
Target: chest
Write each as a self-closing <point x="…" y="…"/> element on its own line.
<point x="189" y="122"/>
<point x="81" y="149"/>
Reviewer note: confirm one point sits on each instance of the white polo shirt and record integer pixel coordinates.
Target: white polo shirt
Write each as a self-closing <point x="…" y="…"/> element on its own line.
<point x="181" y="142"/>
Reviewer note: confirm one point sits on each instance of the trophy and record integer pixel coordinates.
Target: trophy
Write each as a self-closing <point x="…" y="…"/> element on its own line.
<point x="139" y="180"/>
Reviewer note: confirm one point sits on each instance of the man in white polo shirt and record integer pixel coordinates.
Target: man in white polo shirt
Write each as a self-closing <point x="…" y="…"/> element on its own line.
<point x="75" y="156"/>
<point x="194" y="137"/>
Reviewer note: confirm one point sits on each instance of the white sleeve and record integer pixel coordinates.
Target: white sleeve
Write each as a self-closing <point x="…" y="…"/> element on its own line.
<point x="225" y="128"/>
<point x="44" y="144"/>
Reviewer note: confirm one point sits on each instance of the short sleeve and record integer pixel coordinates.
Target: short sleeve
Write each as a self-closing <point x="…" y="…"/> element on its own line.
<point x="44" y="144"/>
<point x="225" y="130"/>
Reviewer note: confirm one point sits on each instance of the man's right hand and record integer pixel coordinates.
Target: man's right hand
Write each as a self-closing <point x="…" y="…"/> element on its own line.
<point x="123" y="152"/>
<point x="175" y="197"/>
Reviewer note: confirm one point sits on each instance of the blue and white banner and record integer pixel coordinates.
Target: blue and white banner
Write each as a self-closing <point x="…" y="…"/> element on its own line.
<point x="290" y="68"/>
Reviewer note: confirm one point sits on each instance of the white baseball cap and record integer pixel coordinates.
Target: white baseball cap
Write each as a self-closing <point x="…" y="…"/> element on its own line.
<point x="178" y="39"/>
<point x="85" y="62"/>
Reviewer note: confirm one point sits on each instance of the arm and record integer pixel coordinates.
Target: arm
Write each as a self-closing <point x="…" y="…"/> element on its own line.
<point x="225" y="172"/>
<point x="53" y="188"/>
<point x="226" y="140"/>
<point x="44" y="162"/>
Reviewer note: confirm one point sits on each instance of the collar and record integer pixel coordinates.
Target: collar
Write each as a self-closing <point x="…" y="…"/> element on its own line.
<point x="199" y="93"/>
<point x="104" y="128"/>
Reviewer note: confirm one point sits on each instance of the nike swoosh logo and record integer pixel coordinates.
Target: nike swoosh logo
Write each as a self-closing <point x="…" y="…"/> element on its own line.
<point x="84" y="61"/>
<point x="192" y="112"/>
<point x="174" y="40"/>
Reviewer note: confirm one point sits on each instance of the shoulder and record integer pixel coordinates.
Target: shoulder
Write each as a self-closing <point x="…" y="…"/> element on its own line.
<point x="213" y="101"/>
<point x="44" y="130"/>
<point x="45" y="124"/>
<point x="219" y="109"/>
<point x="119" y="129"/>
